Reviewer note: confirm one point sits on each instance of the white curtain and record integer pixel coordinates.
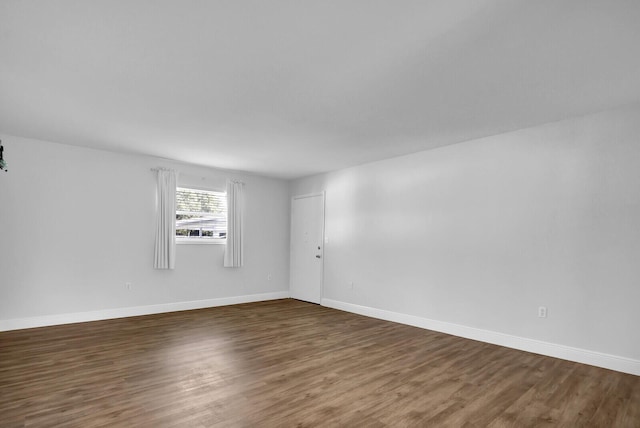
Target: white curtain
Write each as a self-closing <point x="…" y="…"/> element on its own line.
<point x="235" y="216"/>
<point x="165" y="253"/>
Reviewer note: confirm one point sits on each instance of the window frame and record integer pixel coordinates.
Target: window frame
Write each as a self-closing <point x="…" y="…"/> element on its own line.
<point x="192" y="240"/>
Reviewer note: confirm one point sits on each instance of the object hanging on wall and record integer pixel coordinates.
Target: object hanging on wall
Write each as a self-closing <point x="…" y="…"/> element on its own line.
<point x="3" y="164"/>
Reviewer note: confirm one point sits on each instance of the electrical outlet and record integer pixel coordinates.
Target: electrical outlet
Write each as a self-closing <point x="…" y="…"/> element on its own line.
<point x="542" y="312"/>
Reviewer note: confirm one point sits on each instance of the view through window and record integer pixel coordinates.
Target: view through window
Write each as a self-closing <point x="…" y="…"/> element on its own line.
<point x="201" y="215"/>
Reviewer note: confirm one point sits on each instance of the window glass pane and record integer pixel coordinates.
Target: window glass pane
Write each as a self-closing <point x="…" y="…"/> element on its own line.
<point x="201" y="214"/>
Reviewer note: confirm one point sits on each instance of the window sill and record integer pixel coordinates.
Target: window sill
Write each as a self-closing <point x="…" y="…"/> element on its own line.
<point x="199" y="241"/>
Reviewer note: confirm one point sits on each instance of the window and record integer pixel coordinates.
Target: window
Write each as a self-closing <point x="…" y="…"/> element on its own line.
<point x="201" y="216"/>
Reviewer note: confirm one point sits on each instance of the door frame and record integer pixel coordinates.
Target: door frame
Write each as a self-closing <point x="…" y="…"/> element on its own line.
<point x="322" y="253"/>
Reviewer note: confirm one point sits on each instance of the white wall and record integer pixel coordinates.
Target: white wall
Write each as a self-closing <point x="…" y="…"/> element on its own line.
<point x="76" y="224"/>
<point x="481" y="233"/>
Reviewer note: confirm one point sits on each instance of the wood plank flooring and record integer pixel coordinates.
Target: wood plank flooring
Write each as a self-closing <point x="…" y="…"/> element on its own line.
<point x="287" y="363"/>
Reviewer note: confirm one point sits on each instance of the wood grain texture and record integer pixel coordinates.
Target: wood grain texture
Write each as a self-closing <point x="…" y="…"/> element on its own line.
<point x="287" y="363"/>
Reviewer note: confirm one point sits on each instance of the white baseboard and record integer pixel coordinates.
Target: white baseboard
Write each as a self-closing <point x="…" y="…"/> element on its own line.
<point x="612" y="362"/>
<point x="48" y="320"/>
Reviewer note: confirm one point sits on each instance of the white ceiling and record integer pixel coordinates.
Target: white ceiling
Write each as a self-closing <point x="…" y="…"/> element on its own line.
<point x="293" y="88"/>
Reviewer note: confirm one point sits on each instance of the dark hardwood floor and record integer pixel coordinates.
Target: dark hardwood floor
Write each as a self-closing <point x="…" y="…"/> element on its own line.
<point x="287" y="363"/>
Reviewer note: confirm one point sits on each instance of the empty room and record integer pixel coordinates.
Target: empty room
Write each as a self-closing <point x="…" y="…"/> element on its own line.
<point x="319" y="213"/>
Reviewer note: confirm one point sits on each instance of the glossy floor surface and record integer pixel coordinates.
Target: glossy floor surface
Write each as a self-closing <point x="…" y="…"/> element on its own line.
<point x="287" y="363"/>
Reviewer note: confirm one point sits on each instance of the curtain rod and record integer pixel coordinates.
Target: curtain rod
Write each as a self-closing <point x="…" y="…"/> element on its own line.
<point x="194" y="176"/>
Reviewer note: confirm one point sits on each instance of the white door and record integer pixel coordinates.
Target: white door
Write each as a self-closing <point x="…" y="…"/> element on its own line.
<point x="307" y="234"/>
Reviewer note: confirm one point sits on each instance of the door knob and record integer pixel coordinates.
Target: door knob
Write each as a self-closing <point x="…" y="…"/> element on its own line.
<point x="318" y="256"/>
